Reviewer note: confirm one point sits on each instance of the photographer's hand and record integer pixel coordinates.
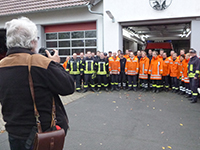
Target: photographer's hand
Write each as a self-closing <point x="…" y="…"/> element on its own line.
<point x="55" y="57"/>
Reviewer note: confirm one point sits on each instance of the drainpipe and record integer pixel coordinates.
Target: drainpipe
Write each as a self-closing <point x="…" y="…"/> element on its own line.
<point x="89" y="5"/>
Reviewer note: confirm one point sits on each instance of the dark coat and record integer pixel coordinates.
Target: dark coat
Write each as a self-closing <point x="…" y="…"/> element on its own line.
<point x="49" y="79"/>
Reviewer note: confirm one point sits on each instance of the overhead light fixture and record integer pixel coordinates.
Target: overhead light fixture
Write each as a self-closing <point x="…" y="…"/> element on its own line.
<point x="188" y="33"/>
<point x="110" y="15"/>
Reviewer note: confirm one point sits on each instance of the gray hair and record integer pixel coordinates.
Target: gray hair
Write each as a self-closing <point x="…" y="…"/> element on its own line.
<point x="21" y="32"/>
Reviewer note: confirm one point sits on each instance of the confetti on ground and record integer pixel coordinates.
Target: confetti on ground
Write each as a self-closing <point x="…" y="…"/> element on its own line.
<point x="97" y="94"/>
<point x="75" y="114"/>
<point x="154" y="108"/>
<point x="181" y="124"/>
<point x="147" y="106"/>
<point x="160" y="109"/>
<point x="80" y="144"/>
<point x="163" y="147"/>
<point x="169" y="147"/>
<point x="2" y="131"/>
<point x="154" y="100"/>
<point x="114" y="101"/>
<point x="162" y="132"/>
<point x="117" y="107"/>
<point x="100" y="143"/>
<point x="131" y="108"/>
<point x="147" y="125"/>
<point x="139" y="97"/>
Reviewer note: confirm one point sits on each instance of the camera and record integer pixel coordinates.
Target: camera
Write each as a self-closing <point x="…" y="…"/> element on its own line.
<point x="42" y="51"/>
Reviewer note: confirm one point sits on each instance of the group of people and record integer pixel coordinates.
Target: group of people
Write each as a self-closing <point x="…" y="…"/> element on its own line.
<point x="137" y="70"/>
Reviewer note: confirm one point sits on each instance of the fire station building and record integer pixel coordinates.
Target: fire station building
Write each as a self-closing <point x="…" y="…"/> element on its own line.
<point x="74" y="26"/>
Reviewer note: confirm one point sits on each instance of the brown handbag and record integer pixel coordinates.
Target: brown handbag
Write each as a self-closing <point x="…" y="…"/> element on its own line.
<point x="51" y="140"/>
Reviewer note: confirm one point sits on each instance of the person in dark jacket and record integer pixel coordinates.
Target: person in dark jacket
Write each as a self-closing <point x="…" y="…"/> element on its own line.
<point x="49" y="80"/>
<point x="122" y="75"/>
<point x="74" y="67"/>
<point x="193" y="74"/>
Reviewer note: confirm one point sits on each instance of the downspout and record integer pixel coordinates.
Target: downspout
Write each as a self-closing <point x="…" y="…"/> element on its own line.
<point x="89" y="5"/>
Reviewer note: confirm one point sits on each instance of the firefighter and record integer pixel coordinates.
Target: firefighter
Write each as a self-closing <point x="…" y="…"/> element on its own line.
<point x="74" y="68"/>
<point x="174" y="72"/>
<point x="127" y="54"/>
<point x="193" y="74"/>
<point x="102" y="70"/>
<point x="89" y="67"/>
<point x="122" y="75"/>
<point x="131" y="69"/>
<point x="165" y="75"/>
<point x="109" y="54"/>
<point x="65" y="63"/>
<point x="161" y="53"/>
<point x="182" y="52"/>
<point x="114" y="69"/>
<point x="181" y="79"/>
<point x="185" y="75"/>
<point x="155" y="71"/>
<point x="82" y="75"/>
<point x="143" y="71"/>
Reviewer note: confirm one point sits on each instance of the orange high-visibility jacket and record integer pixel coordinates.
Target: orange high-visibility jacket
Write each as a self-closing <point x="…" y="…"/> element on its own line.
<point x="114" y="65"/>
<point x="185" y="70"/>
<point x="174" y="68"/>
<point x="156" y="68"/>
<point x="166" y="67"/>
<point x="65" y="64"/>
<point x="126" y="56"/>
<point x="144" y="67"/>
<point x="132" y="66"/>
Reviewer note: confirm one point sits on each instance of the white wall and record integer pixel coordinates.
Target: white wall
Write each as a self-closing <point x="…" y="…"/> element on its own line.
<point x="80" y="14"/>
<point x="132" y="10"/>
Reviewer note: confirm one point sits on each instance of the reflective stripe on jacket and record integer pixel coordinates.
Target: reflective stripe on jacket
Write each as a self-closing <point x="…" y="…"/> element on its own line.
<point x="174" y="68"/>
<point x="114" y="65"/>
<point x="166" y="67"/>
<point x="156" y="68"/>
<point x="132" y="66"/>
<point x="143" y="68"/>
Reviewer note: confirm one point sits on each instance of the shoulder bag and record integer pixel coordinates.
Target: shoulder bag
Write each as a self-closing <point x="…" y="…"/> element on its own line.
<point x="51" y="140"/>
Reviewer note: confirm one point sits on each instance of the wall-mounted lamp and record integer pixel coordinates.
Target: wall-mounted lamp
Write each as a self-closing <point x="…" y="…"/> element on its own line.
<point x="110" y="15"/>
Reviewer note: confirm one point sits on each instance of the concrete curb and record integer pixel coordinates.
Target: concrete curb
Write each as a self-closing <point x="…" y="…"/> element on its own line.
<point x="65" y="99"/>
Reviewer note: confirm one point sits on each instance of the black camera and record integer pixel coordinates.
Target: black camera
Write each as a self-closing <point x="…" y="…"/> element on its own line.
<point x="42" y="51"/>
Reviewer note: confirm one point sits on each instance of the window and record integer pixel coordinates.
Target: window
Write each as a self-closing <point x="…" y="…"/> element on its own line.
<point x="68" y="43"/>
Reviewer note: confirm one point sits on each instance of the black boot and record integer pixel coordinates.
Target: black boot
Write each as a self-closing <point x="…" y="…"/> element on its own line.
<point x="154" y="90"/>
<point x="93" y="90"/>
<point x="116" y="88"/>
<point x="194" y="101"/>
<point x="112" y="89"/>
<point x="106" y="89"/>
<point x="157" y="91"/>
<point x="99" y="89"/>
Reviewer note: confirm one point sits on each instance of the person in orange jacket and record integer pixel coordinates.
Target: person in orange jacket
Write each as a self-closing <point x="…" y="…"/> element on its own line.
<point x="65" y="63"/>
<point x="182" y="52"/>
<point x="131" y="69"/>
<point x="181" y="78"/>
<point x="165" y="74"/>
<point x="143" y="71"/>
<point x="127" y="54"/>
<point x="174" y="71"/>
<point x="155" y="71"/>
<point x="161" y="53"/>
<point x="114" y="69"/>
<point x="171" y="53"/>
<point x="185" y="76"/>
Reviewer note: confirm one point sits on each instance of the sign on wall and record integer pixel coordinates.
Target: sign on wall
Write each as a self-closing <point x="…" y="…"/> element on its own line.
<point x="160" y="4"/>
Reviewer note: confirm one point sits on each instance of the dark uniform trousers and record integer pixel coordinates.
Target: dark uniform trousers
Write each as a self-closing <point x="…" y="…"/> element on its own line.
<point x="114" y="80"/>
<point x="132" y="81"/>
<point x="156" y="84"/>
<point x="77" y="80"/>
<point x="194" y="83"/>
<point x="88" y="79"/>
<point x="102" y="81"/>
<point x="174" y="82"/>
<point x="122" y="79"/>
<point x="166" y="82"/>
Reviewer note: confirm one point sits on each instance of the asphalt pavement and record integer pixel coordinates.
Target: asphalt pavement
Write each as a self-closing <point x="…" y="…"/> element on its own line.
<point x="130" y="121"/>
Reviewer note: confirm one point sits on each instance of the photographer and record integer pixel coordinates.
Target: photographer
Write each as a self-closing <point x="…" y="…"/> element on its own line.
<point x="49" y="80"/>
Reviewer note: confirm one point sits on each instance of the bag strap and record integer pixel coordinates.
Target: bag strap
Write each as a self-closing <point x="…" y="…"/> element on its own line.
<point x="36" y="113"/>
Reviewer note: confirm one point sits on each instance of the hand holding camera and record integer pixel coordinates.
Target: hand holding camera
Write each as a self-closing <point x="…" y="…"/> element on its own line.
<point x="54" y="57"/>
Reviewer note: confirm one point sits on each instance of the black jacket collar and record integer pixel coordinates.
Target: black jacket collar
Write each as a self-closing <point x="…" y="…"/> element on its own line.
<point x="14" y="50"/>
